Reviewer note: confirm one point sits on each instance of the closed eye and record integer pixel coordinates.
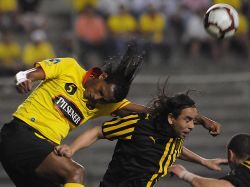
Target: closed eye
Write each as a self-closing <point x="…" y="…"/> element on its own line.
<point x="188" y="119"/>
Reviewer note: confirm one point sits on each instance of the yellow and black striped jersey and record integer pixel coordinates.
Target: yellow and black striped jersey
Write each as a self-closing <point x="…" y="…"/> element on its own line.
<point x="241" y="175"/>
<point x="143" y="154"/>
<point x="57" y="105"/>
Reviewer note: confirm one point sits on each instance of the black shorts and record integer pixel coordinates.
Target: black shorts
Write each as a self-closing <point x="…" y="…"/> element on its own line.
<point x="128" y="183"/>
<point x="117" y="177"/>
<point x="22" y="151"/>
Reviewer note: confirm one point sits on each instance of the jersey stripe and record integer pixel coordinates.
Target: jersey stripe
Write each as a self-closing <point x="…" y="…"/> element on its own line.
<point x="119" y="130"/>
<point x="118" y="134"/>
<point x="246" y="163"/>
<point x="119" y="125"/>
<point x="155" y="176"/>
<point x="169" y="158"/>
<point x="175" y="152"/>
<point x="117" y="120"/>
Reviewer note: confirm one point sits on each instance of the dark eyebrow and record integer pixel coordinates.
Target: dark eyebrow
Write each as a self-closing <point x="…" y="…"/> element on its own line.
<point x="189" y="118"/>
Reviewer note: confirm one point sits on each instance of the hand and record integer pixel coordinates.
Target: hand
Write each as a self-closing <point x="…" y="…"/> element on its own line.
<point x="214" y="128"/>
<point x="24" y="87"/>
<point x="63" y="150"/>
<point x="214" y="164"/>
<point x="177" y="169"/>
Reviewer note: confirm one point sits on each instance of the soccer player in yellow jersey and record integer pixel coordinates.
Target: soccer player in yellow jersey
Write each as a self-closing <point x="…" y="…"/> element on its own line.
<point x="147" y="143"/>
<point x="238" y="152"/>
<point x="67" y="97"/>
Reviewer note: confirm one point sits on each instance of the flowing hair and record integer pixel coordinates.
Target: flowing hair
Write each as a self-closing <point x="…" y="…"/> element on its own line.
<point x="122" y="73"/>
<point x="163" y="104"/>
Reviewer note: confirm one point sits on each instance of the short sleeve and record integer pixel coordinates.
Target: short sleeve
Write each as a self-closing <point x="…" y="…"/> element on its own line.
<point x="120" y="128"/>
<point x="56" y="66"/>
<point x="108" y="109"/>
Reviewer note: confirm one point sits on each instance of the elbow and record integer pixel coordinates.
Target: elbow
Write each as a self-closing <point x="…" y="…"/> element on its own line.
<point x="99" y="132"/>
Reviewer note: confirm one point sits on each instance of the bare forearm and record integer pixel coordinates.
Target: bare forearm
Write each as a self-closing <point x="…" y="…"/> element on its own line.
<point x="190" y="156"/>
<point x="209" y="182"/>
<point x="36" y="74"/>
<point x="87" y="138"/>
<point x="205" y="121"/>
<point x="132" y="107"/>
<point x="213" y="127"/>
<point x="196" y="180"/>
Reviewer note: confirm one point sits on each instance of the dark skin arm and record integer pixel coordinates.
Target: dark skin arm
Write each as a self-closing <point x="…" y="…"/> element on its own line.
<point x="26" y="86"/>
<point x="38" y="74"/>
<point x="213" y="127"/>
<point x="130" y="108"/>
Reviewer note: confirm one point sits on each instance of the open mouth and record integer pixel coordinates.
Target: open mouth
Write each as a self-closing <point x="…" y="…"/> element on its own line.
<point x="185" y="134"/>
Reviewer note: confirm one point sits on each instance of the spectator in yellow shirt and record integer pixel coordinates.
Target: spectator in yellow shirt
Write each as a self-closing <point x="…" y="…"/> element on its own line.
<point x="80" y="5"/>
<point x="38" y="49"/>
<point x="235" y="3"/>
<point x="10" y="53"/>
<point x="152" y="25"/>
<point x="123" y="26"/>
<point x="8" y="12"/>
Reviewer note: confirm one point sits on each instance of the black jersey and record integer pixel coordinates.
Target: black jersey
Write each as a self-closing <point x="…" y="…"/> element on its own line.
<point x="142" y="154"/>
<point x="241" y="176"/>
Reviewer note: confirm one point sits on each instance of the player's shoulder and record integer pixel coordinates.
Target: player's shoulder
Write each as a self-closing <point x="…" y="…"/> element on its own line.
<point x="67" y="60"/>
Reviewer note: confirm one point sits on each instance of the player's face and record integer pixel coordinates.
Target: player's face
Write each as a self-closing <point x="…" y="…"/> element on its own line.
<point x="98" y="91"/>
<point x="184" y="123"/>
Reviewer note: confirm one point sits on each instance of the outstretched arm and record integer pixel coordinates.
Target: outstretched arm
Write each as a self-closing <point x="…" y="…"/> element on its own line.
<point x="213" y="126"/>
<point x="213" y="164"/>
<point x="130" y="108"/>
<point x="87" y="138"/>
<point x="24" y="79"/>
<point x="196" y="180"/>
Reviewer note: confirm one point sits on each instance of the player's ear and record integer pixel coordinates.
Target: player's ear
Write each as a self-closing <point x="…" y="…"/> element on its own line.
<point x="170" y="118"/>
<point x="103" y="76"/>
<point x="231" y="155"/>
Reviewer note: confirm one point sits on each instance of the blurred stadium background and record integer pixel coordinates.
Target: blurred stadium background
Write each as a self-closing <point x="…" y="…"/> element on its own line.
<point x="172" y="34"/>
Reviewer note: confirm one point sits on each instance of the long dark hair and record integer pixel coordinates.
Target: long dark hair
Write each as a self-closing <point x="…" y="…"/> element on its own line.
<point x="163" y="104"/>
<point x="122" y="73"/>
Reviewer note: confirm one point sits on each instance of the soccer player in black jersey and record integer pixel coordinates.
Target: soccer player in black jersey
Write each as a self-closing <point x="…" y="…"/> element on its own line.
<point x="148" y="143"/>
<point x="238" y="151"/>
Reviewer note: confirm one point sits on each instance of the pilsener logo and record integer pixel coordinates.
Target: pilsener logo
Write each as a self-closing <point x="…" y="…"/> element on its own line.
<point x="68" y="109"/>
<point x="70" y="88"/>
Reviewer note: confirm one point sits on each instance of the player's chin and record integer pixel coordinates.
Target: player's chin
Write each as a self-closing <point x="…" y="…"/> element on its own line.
<point x="184" y="134"/>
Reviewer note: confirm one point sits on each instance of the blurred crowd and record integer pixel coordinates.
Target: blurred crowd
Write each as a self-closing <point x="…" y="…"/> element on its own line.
<point x="102" y="28"/>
